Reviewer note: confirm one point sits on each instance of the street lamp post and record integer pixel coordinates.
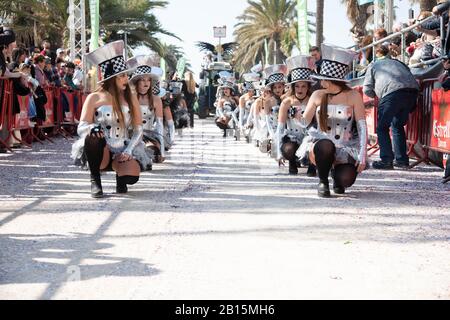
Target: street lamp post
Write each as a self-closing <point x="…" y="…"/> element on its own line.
<point x="125" y="39"/>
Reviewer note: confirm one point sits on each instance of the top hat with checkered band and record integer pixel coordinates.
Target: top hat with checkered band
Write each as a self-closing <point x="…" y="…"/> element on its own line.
<point x="158" y="89"/>
<point x="300" y="68"/>
<point x="275" y="74"/>
<point x="109" y="59"/>
<point x="249" y="80"/>
<point x="335" y="63"/>
<point x="175" y="87"/>
<point x="142" y="66"/>
<point x="226" y="82"/>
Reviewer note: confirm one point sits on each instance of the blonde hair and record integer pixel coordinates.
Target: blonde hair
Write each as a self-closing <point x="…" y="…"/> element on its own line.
<point x="190" y="82"/>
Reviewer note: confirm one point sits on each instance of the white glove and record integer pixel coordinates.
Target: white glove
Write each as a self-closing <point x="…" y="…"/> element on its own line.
<point x="159" y="126"/>
<point x="269" y="127"/>
<point x="138" y="133"/>
<point x="362" y="133"/>
<point x="171" y="131"/>
<point x="84" y="128"/>
<point x="281" y="131"/>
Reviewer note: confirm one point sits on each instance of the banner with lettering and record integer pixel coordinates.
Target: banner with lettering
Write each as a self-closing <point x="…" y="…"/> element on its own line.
<point x="303" y="32"/>
<point x="440" y="120"/>
<point x="94" y="7"/>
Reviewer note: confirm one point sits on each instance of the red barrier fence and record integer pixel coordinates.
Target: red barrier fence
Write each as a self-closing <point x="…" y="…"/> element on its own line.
<point x="62" y="113"/>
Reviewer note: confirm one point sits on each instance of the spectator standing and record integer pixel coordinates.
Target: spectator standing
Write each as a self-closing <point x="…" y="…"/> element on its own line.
<point x="190" y="95"/>
<point x="394" y="84"/>
<point x="315" y="53"/>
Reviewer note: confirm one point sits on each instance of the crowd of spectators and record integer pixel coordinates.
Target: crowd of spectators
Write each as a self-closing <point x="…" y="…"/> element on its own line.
<point x="33" y="70"/>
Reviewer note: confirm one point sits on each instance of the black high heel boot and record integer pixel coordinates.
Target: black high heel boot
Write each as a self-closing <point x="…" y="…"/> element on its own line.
<point x="121" y="186"/>
<point x="312" y="171"/>
<point x="324" y="189"/>
<point x="96" y="186"/>
<point x="293" y="169"/>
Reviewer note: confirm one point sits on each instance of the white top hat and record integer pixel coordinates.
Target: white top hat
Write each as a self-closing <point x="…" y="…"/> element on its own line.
<point x="158" y="90"/>
<point x="335" y="63"/>
<point x="226" y="80"/>
<point x="275" y="73"/>
<point x="249" y="80"/>
<point x="300" y="68"/>
<point x="175" y="87"/>
<point x="142" y="66"/>
<point x="109" y="59"/>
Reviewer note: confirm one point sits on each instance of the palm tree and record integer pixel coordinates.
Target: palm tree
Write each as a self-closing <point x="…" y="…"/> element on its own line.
<point x="136" y="19"/>
<point x="358" y="16"/>
<point x="264" y="20"/>
<point x="49" y="19"/>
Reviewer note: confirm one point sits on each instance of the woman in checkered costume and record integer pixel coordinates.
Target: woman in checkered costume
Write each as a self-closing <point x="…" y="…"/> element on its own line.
<point x="108" y="116"/>
<point x="339" y="143"/>
<point x="290" y="132"/>
<point x="275" y="76"/>
<point x="145" y="80"/>
<point x="226" y="104"/>
<point x="178" y="106"/>
<point x="246" y="101"/>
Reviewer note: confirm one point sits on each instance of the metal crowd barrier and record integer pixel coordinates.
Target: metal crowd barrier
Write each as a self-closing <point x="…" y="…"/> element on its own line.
<point x="57" y="120"/>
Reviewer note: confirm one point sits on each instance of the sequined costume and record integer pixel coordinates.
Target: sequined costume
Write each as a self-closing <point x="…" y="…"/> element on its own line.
<point x="118" y="139"/>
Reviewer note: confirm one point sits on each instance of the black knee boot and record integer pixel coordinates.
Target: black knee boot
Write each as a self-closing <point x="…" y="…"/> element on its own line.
<point x="324" y="152"/>
<point x="93" y="149"/>
<point x="344" y="176"/>
<point x="121" y="183"/>
<point x="312" y="170"/>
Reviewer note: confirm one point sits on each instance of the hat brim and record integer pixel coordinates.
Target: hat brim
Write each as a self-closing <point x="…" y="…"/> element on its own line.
<point x="267" y="86"/>
<point x="137" y="77"/>
<point x="318" y="77"/>
<point x="115" y="75"/>
<point x="302" y="80"/>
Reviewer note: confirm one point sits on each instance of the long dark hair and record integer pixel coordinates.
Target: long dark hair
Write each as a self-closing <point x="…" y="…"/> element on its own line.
<point x="110" y="86"/>
<point x="323" y="112"/>
<point x="2" y="60"/>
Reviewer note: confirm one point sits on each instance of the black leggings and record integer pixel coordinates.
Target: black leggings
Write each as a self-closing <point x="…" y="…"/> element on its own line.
<point x="344" y="175"/>
<point x="93" y="149"/>
<point x="288" y="150"/>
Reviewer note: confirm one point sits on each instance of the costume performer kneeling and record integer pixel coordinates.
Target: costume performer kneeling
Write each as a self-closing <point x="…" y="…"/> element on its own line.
<point x="108" y="115"/>
<point x="146" y="79"/>
<point x="339" y="143"/>
<point x="291" y="132"/>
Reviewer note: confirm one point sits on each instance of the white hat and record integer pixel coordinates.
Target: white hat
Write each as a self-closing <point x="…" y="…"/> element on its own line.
<point x="59" y="51"/>
<point x="142" y="66"/>
<point x="109" y="59"/>
<point x="158" y="89"/>
<point x="249" y="80"/>
<point x="175" y="87"/>
<point x="274" y="74"/>
<point x="335" y="63"/>
<point x="300" y="68"/>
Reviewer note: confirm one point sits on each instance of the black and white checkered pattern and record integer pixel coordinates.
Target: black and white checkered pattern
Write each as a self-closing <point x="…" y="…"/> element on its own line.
<point x="249" y="86"/>
<point x="299" y="75"/>
<point x="333" y="69"/>
<point x="142" y="70"/>
<point x="110" y="68"/>
<point x="155" y="88"/>
<point x="274" y="78"/>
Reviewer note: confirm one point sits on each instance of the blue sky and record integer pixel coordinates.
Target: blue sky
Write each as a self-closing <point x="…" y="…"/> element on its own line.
<point x="194" y="20"/>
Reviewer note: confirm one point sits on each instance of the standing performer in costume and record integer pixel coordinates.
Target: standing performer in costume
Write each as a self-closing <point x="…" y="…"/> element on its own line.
<point x="108" y="116"/>
<point x="335" y="145"/>
<point x="146" y="79"/>
<point x="275" y="76"/>
<point x="290" y="130"/>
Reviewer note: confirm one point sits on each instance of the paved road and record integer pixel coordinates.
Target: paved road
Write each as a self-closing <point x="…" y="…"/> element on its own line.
<point x="218" y="220"/>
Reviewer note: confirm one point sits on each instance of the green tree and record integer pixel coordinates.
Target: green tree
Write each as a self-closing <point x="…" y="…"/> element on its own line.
<point x="265" y="20"/>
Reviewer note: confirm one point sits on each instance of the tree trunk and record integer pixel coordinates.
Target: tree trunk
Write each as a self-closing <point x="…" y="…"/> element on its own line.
<point x="427" y="5"/>
<point x="319" y="22"/>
